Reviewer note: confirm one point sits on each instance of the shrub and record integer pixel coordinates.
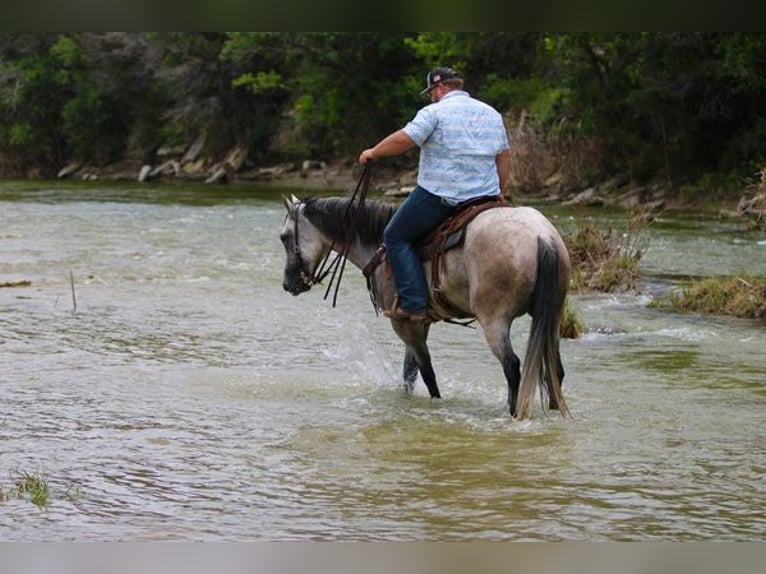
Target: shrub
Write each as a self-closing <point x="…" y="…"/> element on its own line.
<point x="739" y="296"/>
<point x="572" y="325"/>
<point x="607" y="260"/>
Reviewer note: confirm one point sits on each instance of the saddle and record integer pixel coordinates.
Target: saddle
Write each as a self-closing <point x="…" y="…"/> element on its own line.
<point x="449" y="235"/>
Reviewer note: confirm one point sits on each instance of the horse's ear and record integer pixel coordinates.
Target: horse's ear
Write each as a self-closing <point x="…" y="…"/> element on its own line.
<point x="289" y="203"/>
<point x="295" y="200"/>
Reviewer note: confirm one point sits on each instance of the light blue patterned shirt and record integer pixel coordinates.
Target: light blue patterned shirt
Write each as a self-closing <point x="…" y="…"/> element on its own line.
<point x="459" y="138"/>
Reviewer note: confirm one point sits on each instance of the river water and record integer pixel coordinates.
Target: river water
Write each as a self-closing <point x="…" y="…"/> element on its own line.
<point x="167" y="388"/>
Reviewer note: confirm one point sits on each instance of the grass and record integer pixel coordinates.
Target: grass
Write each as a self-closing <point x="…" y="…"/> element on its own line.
<point x="31" y="486"/>
<point x="536" y="157"/>
<point x="738" y="296"/>
<point x="602" y="260"/>
<point x="607" y="260"/>
<point x="35" y="486"/>
<point x="753" y="209"/>
<point x="572" y="325"/>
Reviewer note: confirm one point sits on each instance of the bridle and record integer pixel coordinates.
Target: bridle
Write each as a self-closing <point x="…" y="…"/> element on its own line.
<point x="338" y="264"/>
<point x="304" y="272"/>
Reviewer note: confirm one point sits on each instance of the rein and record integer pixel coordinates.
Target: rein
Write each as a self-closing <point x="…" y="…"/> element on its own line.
<point x="338" y="263"/>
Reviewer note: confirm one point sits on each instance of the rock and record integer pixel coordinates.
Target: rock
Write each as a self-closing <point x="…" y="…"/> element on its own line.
<point x="170" y="167"/>
<point x="631" y="198"/>
<point x="144" y="173"/>
<point x="166" y="151"/>
<point x="69" y="169"/>
<point x="193" y="167"/>
<point x="195" y="149"/>
<point x="553" y="181"/>
<point x="587" y="198"/>
<point x="276" y="169"/>
<point x="236" y="157"/>
<point x="222" y="174"/>
<point x="310" y="164"/>
<point x="619" y="180"/>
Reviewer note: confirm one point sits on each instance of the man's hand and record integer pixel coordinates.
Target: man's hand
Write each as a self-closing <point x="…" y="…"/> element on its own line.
<point x="367" y="156"/>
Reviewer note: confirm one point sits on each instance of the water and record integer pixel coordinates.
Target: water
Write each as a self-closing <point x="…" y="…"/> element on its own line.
<point x="187" y="397"/>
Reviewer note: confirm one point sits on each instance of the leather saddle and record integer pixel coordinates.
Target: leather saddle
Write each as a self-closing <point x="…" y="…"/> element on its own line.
<point x="449" y="235"/>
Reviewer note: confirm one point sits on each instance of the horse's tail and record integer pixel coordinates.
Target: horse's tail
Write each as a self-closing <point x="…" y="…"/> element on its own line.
<point x="542" y="360"/>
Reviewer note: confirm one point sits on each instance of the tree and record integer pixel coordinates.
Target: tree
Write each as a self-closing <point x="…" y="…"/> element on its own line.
<point x="32" y="94"/>
<point x="345" y="90"/>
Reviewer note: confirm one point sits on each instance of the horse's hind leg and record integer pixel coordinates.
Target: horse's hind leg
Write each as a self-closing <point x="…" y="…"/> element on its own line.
<point x="498" y="336"/>
<point x="552" y="403"/>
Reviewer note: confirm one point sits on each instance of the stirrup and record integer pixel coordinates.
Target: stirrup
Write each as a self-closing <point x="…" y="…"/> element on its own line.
<point x="399" y="314"/>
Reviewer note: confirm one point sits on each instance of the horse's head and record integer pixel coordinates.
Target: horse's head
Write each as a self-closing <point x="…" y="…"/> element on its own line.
<point x="304" y="247"/>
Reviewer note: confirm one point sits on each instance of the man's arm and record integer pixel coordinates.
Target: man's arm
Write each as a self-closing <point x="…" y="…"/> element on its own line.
<point x="503" y="163"/>
<point x="393" y="144"/>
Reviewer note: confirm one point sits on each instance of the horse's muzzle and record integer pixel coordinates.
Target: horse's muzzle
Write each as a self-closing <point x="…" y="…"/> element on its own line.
<point x="296" y="285"/>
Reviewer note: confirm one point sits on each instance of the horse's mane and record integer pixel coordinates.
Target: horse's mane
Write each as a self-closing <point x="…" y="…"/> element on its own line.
<point x="332" y="216"/>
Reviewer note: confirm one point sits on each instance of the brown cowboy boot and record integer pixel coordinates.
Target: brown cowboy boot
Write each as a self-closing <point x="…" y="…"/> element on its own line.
<point x="399" y="314"/>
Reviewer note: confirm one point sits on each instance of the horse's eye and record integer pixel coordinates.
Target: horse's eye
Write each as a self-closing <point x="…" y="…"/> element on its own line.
<point x="284" y="237"/>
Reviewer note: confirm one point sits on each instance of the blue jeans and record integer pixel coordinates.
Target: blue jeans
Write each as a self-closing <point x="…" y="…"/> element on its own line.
<point x="421" y="212"/>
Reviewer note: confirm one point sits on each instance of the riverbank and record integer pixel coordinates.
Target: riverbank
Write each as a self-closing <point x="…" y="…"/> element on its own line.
<point x="619" y="191"/>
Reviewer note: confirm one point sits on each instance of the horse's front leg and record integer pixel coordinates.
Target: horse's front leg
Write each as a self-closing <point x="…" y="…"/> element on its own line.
<point x="417" y="356"/>
<point x="410" y="371"/>
<point x="423" y="360"/>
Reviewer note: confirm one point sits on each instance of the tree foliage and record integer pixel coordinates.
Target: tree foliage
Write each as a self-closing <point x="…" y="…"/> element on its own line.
<point x="681" y="106"/>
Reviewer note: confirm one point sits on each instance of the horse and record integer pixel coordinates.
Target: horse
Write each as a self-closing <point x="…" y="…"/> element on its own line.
<point x="512" y="261"/>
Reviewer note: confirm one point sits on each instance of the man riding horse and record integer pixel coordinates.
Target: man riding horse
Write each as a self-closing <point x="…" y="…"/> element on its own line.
<point x="509" y="262"/>
<point x="463" y="156"/>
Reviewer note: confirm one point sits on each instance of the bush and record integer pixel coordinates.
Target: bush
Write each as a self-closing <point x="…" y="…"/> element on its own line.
<point x="754" y="208"/>
<point x="572" y="325"/>
<point x="535" y="157"/>
<point x="740" y="296"/>
<point x="606" y="261"/>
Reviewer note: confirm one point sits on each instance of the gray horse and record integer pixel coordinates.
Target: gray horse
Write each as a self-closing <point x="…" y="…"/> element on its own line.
<point x="512" y="261"/>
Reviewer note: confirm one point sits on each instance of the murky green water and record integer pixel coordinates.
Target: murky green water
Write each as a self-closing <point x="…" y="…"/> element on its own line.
<point x="189" y="397"/>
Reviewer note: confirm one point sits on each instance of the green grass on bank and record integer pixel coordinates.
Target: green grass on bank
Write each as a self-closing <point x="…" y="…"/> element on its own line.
<point x="737" y="296"/>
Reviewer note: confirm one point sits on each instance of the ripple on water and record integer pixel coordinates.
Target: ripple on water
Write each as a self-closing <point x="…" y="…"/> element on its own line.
<point x="190" y="398"/>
